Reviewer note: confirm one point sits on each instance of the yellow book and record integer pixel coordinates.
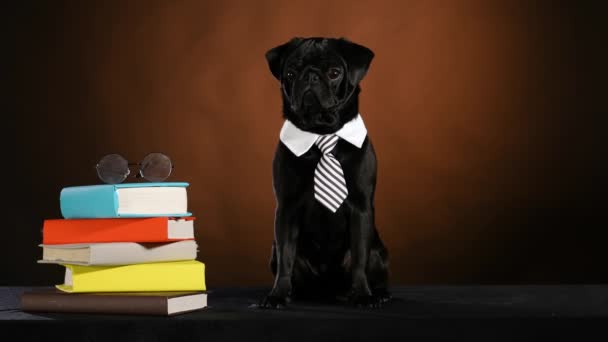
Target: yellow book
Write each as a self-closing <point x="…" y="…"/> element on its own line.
<point x="186" y="275"/>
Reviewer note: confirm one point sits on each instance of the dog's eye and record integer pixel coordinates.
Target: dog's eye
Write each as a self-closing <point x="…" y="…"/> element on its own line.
<point x="289" y="75"/>
<point x="333" y="73"/>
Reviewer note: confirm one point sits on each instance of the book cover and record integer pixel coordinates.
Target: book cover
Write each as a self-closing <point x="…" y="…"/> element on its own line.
<point x="137" y="303"/>
<point x="161" y="276"/>
<point x="152" y="229"/>
<point x="145" y="199"/>
<point x="118" y="253"/>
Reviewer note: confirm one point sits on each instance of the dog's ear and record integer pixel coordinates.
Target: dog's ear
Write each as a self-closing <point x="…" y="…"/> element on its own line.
<point x="276" y="56"/>
<point x="357" y="57"/>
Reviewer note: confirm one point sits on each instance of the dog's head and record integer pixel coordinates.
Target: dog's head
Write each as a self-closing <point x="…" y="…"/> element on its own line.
<point x="319" y="80"/>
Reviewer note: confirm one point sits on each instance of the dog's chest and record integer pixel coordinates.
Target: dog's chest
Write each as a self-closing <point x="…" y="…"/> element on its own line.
<point x="324" y="231"/>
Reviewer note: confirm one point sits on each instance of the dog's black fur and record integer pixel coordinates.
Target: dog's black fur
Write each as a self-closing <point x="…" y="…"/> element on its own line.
<point x="316" y="253"/>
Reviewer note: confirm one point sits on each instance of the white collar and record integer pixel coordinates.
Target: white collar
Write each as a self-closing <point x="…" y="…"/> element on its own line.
<point x="299" y="141"/>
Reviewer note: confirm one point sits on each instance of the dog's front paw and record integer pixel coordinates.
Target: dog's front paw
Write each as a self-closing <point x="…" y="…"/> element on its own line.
<point x="273" y="302"/>
<point x="383" y="295"/>
<point x="365" y="300"/>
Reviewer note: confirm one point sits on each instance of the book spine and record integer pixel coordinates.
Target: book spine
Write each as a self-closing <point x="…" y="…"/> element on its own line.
<point x="67" y="231"/>
<point x="98" y="201"/>
<point x="49" y="302"/>
<point x="166" y="276"/>
<point x="135" y="253"/>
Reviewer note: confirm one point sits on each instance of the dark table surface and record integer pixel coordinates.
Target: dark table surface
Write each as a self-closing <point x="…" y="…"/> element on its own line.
<point x="446" y="313"/>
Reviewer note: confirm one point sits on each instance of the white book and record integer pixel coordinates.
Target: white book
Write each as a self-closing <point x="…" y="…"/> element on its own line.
<point x="118" y="253"/>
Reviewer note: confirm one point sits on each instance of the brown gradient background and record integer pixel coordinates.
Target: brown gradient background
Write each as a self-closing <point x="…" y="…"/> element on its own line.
<point x="485" y="116"/>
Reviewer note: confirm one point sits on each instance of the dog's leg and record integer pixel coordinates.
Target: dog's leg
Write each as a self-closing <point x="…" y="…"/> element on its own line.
<point x="362" y="230"/>
<point x="286" y="235"/>
<point x="377" y="272"/>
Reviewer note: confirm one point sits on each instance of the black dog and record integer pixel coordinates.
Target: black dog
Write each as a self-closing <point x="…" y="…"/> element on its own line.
<point x="318" y="253"/>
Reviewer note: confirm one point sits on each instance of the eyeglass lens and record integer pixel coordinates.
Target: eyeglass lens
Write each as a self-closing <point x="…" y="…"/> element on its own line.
<point x="113" y="169"/>
<point x="156" y="167"/>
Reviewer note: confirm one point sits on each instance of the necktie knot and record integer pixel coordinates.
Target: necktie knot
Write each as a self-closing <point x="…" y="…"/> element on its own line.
<point x="327" y="143"/>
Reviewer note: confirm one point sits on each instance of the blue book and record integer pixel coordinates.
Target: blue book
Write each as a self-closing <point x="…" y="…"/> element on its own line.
<point x="146" y="199"/>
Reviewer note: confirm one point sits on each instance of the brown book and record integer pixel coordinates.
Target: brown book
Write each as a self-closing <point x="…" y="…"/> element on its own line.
<point x="136" y="303"/>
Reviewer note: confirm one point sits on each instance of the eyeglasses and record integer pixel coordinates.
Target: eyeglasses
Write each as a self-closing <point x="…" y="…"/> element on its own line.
<point x="114" y="168"/>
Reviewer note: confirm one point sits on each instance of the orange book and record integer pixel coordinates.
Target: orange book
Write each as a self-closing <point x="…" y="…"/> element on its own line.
<point x="152" y="229"/>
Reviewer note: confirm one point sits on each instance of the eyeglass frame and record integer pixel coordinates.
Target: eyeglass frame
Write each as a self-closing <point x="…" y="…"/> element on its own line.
<point x="139" y="173"/>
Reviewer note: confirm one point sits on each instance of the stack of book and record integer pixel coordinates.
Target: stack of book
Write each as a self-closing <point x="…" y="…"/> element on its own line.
<point x="126" y="248"/>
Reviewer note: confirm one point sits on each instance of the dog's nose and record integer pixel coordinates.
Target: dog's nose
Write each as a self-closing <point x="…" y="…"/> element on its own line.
<point x="313" y="78"/>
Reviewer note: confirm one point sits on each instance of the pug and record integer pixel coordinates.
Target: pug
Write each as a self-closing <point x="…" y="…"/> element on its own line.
<point x="326" y="245"/>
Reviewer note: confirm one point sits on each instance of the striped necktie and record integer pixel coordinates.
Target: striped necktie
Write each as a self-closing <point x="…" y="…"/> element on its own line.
<point x="330" y="186"/>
